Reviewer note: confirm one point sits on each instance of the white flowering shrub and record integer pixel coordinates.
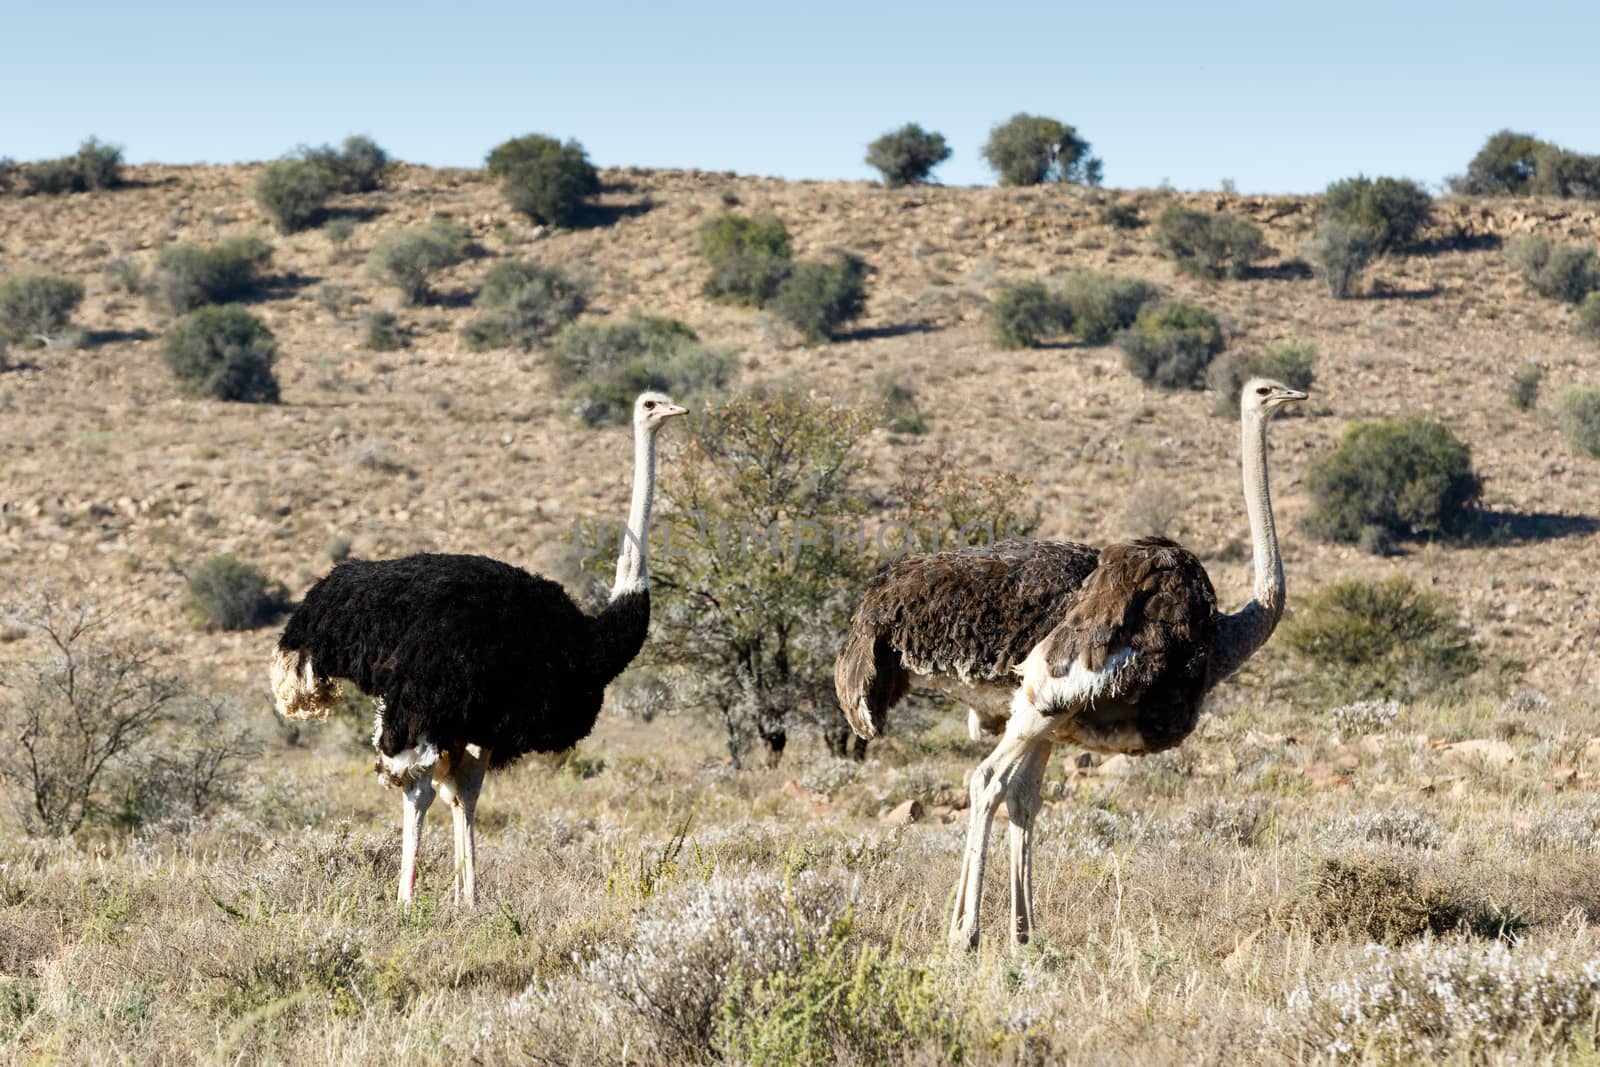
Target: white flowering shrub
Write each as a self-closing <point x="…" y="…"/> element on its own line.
<point x="830" y="775"/>
<point x="1436" y="999"/>
<point x="1365" y="717"/>
<point x="1226" y="822"/>
<point x="663" y="989"/>
<point x="1574" y="827"/>
<point x="1406" y="827"/>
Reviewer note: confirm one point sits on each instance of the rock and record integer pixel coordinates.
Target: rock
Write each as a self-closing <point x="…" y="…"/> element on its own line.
<point x="1118" y="766"/>
<point x="904" y="815"/>
<point x="1479" y="751"/>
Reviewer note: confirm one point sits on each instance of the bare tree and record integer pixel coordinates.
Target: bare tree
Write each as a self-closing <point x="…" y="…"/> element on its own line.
<point x="70" y="717"/>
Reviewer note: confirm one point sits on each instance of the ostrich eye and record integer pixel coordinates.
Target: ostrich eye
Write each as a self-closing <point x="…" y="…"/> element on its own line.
<point x="1263" y="391"/>
<point x="649" y="403"/>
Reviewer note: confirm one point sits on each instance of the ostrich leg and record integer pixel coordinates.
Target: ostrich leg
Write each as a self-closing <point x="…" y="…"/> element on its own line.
<point x="418" y="795"/>
<point x="466" y="783"/>
<point x="1023" y="801"/>
<point x="1026" y="732"/>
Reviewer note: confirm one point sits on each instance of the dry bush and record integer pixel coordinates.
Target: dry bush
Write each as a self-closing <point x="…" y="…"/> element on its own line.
<point x="1211" y="244"/>
<point x="1387" y="897"/>
<point x="410" y="257"/>
<point x="1578" y="412"/>
<point x="36" y="309"/>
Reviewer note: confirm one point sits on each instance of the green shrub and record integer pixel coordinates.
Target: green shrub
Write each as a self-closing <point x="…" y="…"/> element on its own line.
<point x="1386" y="638"/>
<point x="1578" y="412"/>
<point x="1569" y="175"/>
<point x="908" y="155"/>
<point x="383" y="332"/>
<point x="1023" y="314"/>
<point x="188" y="276"/>
<point x="293" y="193"/>
<point x="1392" y="210"/>
<point x="1558" y="271"/>
<point x="1405" y="477"/>
<point x="1503" y="166"/>
<point x="36" y="309"/>
<point x="228" y="594"/>
<point x="1525" y="386"/>
<point x="407" y="258"/>
<point x="900" y="411"/>
<point x="522" y="303"/>
<point x="1031" y="149"/>
<point x="1339" y="252"/>
<point x="819" y="297"/>
<point x="748" y="257"/>
<point x="1120" y="216"/>
<point x="356" y="166"/>
<point x="1586" y="320"/>
<point x="844" y="1003"/>
<point x="1210" y="244"/>
<point x="1290" y="362"/>
<point x="604" y="365"/>
<point x="1519" y="164"/>
<point x="544" y="179"/>
<point x="223" y="351"/>
<point x="1098" y="305"/>
<point x="96" y="165"/>
<point x="1171" y="344"/>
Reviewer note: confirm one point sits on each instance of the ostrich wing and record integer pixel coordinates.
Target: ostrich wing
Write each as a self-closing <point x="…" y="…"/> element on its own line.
<point x="973" y="614"/>
<point x="1139" y="633"/>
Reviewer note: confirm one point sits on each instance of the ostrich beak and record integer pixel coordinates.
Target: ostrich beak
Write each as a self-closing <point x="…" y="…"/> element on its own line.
<point x="1291" y="395"/>
<point x="666" y="411"/>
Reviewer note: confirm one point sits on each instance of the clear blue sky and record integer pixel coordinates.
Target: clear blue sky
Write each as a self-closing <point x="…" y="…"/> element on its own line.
<point x="1279" y="96"/>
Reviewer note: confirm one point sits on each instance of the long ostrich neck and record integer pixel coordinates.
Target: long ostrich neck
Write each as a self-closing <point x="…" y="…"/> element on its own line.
<point x="1244" y="631"/>
<point x="633" y="571"/>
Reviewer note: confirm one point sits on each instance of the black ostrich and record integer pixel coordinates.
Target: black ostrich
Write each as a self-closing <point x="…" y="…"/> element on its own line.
<point x="1051" y="643"/>
<point x="472" y="662"/>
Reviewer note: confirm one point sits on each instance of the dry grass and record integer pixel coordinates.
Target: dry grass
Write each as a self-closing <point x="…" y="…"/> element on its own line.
<point x="1210" y="905"/>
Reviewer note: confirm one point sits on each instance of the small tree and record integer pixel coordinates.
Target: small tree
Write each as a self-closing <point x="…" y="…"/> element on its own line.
<point x="1171" y="344"/>
<point x="294" y="192"/>
<point x="818" y="298"/>
<point x="1403" y="477"/>
<point x="758" y="586"/>
<point x="1504" y="165"/>
<point x="188" y="276"/>
<point x="1031" y="149"/>
<point x="1392" y="210"/>
<point x="1025" y="313"/>
<point x="408" y="258"/>
<point x="1339" y="252"/>
<point x="72" y="717"/>
<point x="225" y="352"/>
<point x="748" y="257"/>
<point x="908" y="155"/>
<point x="36" y="309"/>
<point x="544" y="179"/>
<point x="1211" y="244"/>
<point x="522" y="303"/>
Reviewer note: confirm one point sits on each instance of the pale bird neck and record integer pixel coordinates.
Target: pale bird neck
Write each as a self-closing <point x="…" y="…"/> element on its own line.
<point x="633" y="569"/>
<point x="1241" y="633"/>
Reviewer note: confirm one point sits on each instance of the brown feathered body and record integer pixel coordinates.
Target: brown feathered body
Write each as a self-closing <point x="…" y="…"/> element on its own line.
<point x="1116" y="642"/>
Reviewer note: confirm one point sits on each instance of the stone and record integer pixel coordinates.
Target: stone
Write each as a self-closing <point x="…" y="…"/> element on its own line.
<point x="1479" y="751"/>
<point x="904" y="815"/>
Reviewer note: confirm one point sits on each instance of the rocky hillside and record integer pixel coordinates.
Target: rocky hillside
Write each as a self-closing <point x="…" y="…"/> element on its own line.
<point x="110" y="482"/>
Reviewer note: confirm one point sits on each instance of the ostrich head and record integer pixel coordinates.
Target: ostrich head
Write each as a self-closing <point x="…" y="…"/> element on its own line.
<point x="652" y="410"/>
<point x="1263" y="396"/>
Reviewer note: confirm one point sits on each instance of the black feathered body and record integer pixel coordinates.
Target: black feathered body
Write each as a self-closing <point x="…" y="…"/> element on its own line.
<point x="465" y="650"/>
<point x="984" y="616"/>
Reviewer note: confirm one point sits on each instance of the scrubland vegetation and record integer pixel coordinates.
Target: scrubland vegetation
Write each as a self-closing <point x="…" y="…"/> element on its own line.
<point x="1382" y="845"/>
